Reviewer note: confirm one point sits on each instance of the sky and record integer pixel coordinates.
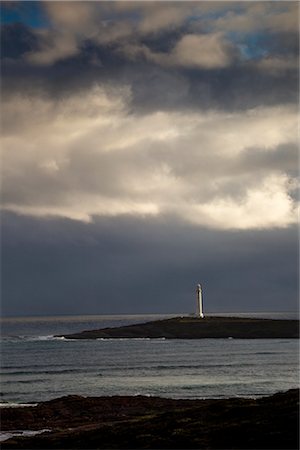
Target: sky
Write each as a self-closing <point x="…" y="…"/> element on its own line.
<point x="148" y="147"/>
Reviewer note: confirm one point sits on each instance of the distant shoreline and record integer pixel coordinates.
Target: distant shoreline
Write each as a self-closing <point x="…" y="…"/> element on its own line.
<point x="187" y="327"/>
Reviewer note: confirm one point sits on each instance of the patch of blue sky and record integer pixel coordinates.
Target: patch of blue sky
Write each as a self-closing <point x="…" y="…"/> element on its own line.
<point x="249" y="44"/>
<point x="26" y="12"/>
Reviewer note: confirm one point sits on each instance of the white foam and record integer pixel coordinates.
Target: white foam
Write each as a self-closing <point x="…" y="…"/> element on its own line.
<point x="32" y="338"/>
<point x="20" y="433"/>
<point x="15" y="405"/>
<point x="44" y="338"/>
<point x="131" y="339"/>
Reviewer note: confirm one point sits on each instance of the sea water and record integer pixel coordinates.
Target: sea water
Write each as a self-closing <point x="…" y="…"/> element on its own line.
<point x="36" y="366"/>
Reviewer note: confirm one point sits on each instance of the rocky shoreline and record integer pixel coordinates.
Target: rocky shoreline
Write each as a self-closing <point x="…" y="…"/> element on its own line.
<point x="194" y="328"/>
<point x="140" y="422"/>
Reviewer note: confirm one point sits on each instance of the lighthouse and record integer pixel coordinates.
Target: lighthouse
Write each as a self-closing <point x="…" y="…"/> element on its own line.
<point x="199" y="307"/>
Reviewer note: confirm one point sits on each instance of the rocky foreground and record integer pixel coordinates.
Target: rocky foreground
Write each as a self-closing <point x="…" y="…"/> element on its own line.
<point x="157" y="423"/>
<point x="194" y="328"/>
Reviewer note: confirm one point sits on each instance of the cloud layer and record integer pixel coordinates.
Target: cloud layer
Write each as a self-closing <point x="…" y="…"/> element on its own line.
<point x="87" y="155"/>
<point x="149" y="145"/>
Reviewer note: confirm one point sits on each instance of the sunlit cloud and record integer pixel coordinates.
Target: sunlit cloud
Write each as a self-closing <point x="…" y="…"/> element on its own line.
<point x="87" y="155"/>
<point x="148" y="144"/>
<point x="264" y="206"/>
<point x="208" y="51"/>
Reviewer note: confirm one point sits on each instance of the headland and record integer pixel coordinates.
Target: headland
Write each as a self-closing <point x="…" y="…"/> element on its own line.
<point x="196" y="328"/>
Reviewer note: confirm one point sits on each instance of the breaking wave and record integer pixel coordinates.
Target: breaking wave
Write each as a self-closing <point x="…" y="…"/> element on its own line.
<point x="23" y="433"/>
<point x="16" y="405"/>
<point x="31" y="338"/>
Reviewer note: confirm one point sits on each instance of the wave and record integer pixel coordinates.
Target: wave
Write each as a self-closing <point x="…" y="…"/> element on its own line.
<point x="91" y="369"/>
<point x="39" y="366"/>
<point x="143" y="394"/>
<point x="199" y="366"/>
<point x="32" y="338"/>
<point x="16" y="405"/>
<point x="48" y="371"/>
<point x="129" y="339"/>
<point x="266" y="353"/>
<point x="9" y="434"/>
<point x="35" y="380"/>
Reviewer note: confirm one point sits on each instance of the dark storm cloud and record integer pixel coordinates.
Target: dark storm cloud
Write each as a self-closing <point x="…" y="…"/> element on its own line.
<point x="235" y="88"/>
<point x="241" y="85"/>
<point x="16" y="40"/>
<point x="125" y="265"/>
<point x="155" y="88"/>
<point x="149" y="146"/>
<point x="279" y="43"/>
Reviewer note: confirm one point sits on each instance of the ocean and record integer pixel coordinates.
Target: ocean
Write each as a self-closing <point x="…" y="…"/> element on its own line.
<point x="36" y="366"/>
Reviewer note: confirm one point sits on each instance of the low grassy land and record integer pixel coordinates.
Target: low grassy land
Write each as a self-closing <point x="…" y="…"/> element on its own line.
<point x="194" y="328"/>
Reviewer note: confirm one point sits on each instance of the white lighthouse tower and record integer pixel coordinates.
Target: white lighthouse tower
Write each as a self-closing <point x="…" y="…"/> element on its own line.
<point x="199" y="307"/>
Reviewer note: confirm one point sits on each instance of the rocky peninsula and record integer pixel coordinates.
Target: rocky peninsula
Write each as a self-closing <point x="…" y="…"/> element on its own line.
<point x="196" y="328"/>
<point x="139" y="422"/>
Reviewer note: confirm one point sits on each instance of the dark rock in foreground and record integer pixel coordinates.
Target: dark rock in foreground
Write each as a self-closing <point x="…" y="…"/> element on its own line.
<point x="157" y="423"/>
<point x="194" y="328"/>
